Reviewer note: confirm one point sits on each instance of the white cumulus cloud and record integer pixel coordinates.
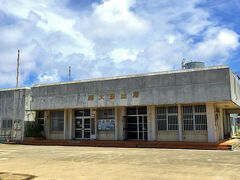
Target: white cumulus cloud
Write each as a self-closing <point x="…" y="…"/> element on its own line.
<point x="112" y="37"/>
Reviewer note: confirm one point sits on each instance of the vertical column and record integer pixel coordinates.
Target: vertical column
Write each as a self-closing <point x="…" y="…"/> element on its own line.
<point x="70" y="118"/>
<point x="180" y="122"/>
<point x="211" y="122"/>
<point x="122" y="123"/>
<point x="116" y="123"/>
<point x="93" y="123"/>
<point x="221" y="124"/>
<point x="65" y="124"/>
<point x="47" y="123"/>
<point x="153" y="123"/>
<point x="120" y="127"/>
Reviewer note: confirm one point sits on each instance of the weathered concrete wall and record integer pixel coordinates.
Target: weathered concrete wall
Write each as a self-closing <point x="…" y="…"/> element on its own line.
<point x="105" y="135"/>
<point x="184" y="86"/>
<point x="167" y="136"/>
<point x="194" y="137"/>
<point x="235" y="89"/>
<point x="13" y="103"/>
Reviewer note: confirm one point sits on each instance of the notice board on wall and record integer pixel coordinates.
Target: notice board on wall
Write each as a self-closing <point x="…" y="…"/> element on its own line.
<point x="106" y="125"/>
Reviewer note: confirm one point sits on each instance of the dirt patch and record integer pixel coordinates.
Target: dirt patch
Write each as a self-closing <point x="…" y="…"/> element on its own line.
<point x="16" y="176"/>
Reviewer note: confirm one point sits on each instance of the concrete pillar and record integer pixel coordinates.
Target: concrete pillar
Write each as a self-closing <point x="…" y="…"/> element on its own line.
<point x="94" y="123"/>
<point x="116" y="123"/>
<point x="180" y="123"/>
<point x="221" y="124"/>
<point x="47" y="123"/>
<point x="121" y="117"/>
<point x="151" y="122"/>
<point x="65" y="130"/>
<point x="212" y="136"/>
<point x="70" y="120"/>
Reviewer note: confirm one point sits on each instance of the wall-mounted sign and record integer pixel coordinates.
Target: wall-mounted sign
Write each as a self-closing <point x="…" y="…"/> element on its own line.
<point x="123" y="95"/>
<point x="101" y="97"/>
<point x="135" y="94"/>
<point x="112" y="96"/>
<point x="106" y="125"/>
<point x="90" y="97"/>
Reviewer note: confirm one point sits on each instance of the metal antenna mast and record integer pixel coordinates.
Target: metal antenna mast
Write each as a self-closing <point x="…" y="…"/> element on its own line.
<point x="17" y="68"/>
<point x="69" y="73"/>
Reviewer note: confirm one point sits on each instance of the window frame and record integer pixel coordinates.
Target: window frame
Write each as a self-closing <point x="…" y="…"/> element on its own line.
<point x="167" y="114"/>
<point x="7" y="124"/>
<point x="56" y="119"/>
<point x="194" y="114"/>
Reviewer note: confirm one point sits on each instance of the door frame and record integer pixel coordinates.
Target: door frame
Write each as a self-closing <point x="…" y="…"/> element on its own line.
<point x="82" y="117"/>
<point x="83" y="129"/>
<point x="143" y="131"/>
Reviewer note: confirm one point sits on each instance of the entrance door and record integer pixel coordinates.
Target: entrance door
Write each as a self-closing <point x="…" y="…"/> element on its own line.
<point x="136" y="122"/>
<point x="82" y="128"/>
<point x="82" y="124"/>
<point x="137" y="127"/>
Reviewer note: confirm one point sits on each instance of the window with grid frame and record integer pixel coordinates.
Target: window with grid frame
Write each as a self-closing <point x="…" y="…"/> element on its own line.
<point x="7" y="124"/>
<point x="57" y="120"/>
<point x="167" y="118"/>
<point x="106" y="114"/>
<point x="194" y="118"/>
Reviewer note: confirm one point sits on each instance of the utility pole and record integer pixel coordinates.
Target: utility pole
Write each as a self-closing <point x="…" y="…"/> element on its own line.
<point x="69" y="71"/>
<point x="17" y="68"/>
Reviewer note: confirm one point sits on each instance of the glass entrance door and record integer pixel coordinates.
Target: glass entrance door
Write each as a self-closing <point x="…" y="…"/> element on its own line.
<point x="137" y="127"/>
<point x="82" y="128"/>
<point x="82" y="124"/>
<point x="137" y="123"/>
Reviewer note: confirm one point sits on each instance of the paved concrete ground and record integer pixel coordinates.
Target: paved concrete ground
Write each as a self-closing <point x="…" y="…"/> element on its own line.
<point x="64" y="162"/>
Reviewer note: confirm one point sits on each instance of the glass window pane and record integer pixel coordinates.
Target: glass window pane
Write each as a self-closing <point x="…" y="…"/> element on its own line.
<point x="132" y="119"/>
<point x="200" y="108"/>
<point x="200" y="119"/>
<point x="187" y="109"/>
<point x="173" y="127"/>
<point x="161" y="110"/>
<point x="172" y="120"/>
<point x="131" y="111"/>
<point x="173" y="109"/>
<point x="87" y="112"/>
<point x="162" y="125"/>
<point x="162" y="117"/>
<point x="57" y="120"/>
<point x="4" y="123"/>
<point x="142" y="110"/>
<point x="79" y="113"/>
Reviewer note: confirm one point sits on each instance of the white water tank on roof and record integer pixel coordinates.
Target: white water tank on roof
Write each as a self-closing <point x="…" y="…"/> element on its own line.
<point x="193" y="65"/>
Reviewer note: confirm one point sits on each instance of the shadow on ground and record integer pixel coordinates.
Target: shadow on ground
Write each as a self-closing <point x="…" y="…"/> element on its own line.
<point x="8" y="176"/>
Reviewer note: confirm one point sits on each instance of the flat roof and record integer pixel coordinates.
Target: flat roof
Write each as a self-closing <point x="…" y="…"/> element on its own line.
<point x="133" y="76"/>
<point x="14" y="89"/>
<point x="120" y="77"/>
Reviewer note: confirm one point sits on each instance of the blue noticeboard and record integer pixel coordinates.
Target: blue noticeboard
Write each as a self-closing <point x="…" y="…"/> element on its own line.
<point x="238" y="120"/>
<point x="106" y="125"/>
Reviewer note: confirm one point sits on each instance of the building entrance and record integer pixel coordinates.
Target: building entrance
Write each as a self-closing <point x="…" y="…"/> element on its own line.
<point x="137" y="123"/>
<point x="82" y="124"/>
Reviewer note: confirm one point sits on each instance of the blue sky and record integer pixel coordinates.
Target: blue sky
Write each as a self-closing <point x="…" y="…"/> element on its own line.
<point x="101" y="38"/>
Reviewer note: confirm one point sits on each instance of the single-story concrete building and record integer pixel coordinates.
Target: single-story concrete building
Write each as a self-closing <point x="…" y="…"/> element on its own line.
<point x="180" y="105"/>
